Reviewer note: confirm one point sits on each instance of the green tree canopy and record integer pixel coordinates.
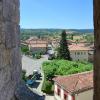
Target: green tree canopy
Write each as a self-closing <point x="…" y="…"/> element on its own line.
<point x="63" y="51"/>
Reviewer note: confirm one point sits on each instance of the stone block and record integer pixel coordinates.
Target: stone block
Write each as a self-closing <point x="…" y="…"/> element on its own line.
<point x="4" y="56"/>
<point x="11" y="11"/>
<point x="16" y="64"/>
<point x="8" y="91"/>
<point x="10" y="57"/>
<point x="5" y="76"/>
<point x="10" y="35"/>
<point x="1" y="11"/>
<point x="17" y="33"/>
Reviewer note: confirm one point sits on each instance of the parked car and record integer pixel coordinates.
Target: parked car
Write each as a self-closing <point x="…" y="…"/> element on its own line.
<point x="51" y="57"/>
<point x="37" y="74"/>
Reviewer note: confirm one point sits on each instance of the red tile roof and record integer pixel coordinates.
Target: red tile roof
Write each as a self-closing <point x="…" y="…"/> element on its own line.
<point x="77" y="47"/>
<point x="76" y="83"/>
<point x="38" y="45"/>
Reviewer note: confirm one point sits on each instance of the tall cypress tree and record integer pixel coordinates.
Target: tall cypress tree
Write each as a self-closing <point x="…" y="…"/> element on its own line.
<point x="63" y="51"/>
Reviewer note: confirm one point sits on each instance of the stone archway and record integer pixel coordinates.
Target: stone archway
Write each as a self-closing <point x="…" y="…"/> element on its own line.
<point x="10" y="57"/>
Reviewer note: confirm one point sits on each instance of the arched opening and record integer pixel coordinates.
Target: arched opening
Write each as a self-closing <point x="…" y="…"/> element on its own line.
<point x="10" y="57"/>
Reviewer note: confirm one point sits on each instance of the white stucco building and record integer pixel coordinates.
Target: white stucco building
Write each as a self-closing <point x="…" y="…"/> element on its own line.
<point x="80" y="52"/>
<point x="74" y="87"/>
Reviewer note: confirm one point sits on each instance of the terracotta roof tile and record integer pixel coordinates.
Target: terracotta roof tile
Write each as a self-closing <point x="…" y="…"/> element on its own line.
<point x="38" y="45"/>
<point x="79" y="47"/>
<point x="77" y="82"/>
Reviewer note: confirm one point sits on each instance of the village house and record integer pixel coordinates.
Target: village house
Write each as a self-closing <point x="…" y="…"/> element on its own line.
<point x="81" y="52"/>
<point x="74" y="87"/>
<point x="55" y="42"/>
<point x="37" y="45"/>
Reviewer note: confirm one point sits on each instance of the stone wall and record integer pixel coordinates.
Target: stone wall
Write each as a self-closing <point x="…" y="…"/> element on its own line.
<point x="10" y="57"/>
<point x="97" y="50"/>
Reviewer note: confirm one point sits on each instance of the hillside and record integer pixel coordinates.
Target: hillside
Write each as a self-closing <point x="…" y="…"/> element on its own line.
<point x="26" y="33"/>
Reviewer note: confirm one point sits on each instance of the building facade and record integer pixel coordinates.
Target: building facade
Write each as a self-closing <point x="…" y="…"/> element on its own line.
<point x="37" y="45"/>
<point x="80" y="52"/>
<point x="74" y="87"/>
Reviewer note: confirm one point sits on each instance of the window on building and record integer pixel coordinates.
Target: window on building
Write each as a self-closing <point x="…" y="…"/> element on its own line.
<point x="78" y="60"/>
<point x="73" y="98"/>
<point x="81" y="53"/>
<point x="78" y="53"/>
<point x="58" y="91"/>
<point x="65" y="96"/>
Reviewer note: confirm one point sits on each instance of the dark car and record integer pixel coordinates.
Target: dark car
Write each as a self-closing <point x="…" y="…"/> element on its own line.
<point x="51" y="57"/>
<point x="37" y="74"/>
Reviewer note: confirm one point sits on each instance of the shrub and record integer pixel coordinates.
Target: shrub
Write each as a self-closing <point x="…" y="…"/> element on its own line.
<point x="38" y="55"/>
<point x="24" y="75"/>
<point x="25" y="50"/>
<point x="47" y="87"/>
<point x="63" y="67"/>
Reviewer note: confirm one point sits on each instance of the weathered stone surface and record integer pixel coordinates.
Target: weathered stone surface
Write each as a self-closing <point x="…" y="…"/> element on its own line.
<point x="97" y="50"/>
<point x="10" y="57"/>
<point x="15" y="63"/>
<point x="11" y="11"/>
<point x="4" y="56"/>
<point x="6" y="77"/>
<point x="17" y="35"/>
<point x="24" y="93"/>
<point x="10" y="34"/>
<point x="0" y="11"/>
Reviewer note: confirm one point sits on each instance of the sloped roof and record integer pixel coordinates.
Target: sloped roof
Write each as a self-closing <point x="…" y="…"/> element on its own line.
<point x="78" y="47"/>
<point x="38" y="45"/>
<point x="76" y="83"/>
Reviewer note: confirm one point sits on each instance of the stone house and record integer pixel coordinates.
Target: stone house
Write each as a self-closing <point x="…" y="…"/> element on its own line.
<point x="74" y="87"/>
<point x="37" y="45"/>
<point x="81" y="52"/>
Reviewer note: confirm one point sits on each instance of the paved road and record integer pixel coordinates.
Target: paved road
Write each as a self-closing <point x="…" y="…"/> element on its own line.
<point x="48" y="97"/>
<point x="30" y="64"/>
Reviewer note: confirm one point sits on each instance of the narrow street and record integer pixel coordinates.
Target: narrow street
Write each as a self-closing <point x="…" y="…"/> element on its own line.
<point x="30" y="65"/>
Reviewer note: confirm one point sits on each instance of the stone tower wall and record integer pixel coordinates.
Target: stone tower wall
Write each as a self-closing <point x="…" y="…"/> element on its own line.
<point x="97" y="49"/>
<point x="10" y="57"/>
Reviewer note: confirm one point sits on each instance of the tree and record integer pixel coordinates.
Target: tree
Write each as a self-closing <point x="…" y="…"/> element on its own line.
<point x="63" y="50"/>
<point x="71" y="37"/>
<point x="25" y="50"/>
